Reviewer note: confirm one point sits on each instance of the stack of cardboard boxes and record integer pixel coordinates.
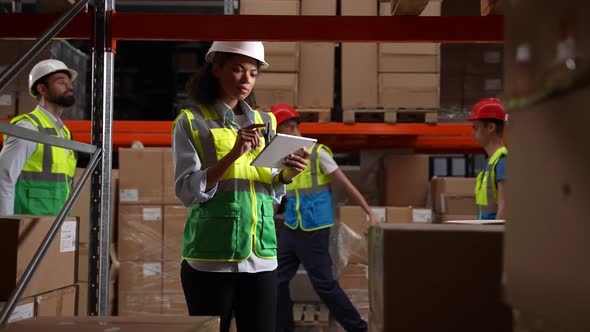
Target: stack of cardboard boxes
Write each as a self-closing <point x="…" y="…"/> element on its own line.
<point x="409" y="72"/>
<point x="53" y="289"/>
<point x="300" y="74"/>
<point x="279" y="83"/>
<point x="150" y="231"/>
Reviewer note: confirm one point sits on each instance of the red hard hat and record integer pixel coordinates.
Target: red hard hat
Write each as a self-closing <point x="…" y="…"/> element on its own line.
<point x="284" y="112"/>
<point x="489" y="108"/>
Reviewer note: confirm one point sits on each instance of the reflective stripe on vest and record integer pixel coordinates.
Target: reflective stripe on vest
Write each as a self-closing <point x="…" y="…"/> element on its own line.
<point x="238" y="219"/>
<point x="309" y="199"/>
<point x="486" y="196"/>
<point x="44" y="183"/>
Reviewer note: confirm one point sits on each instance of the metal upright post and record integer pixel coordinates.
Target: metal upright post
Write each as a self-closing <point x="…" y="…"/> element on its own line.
<point x="102" y="119"/>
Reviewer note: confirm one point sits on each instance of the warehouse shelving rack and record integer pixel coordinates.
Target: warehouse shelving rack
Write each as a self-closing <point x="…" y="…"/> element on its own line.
<point x="104" y="27"/>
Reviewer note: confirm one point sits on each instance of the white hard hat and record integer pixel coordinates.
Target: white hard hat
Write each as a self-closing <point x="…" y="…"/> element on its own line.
<point x="252" y="49"/>
<point x="46" y="67"/>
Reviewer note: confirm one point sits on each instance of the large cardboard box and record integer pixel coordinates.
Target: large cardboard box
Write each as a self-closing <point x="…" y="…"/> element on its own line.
<point x="7" y="105"/>
<point x="275" y="88"/>
<point x="141" y="276"/>
<point x="137" y="304"/>
<point x="171" y="282"/>
<point x="409" y="90"/>
<point x="450" y="217"/>
<point x="124" y="324"/>
<point x="141" y="172"/>
<point x="174" y="304"/>
<point x="429" y="277"/>
<point x="174" y="220"/>
<point x="20" y="237"/>
<point x="358" y="8"/>
<point x="409" y="57"/>
<point x="316" y="75"/>
<point x="140" y="232"/>
<point x="406" y="179"/>
<point x="24" y="309"/>
<point x="458" y="204"/>
<point x="318" y="7"/>
<point x="269" y="7"/>
<point x="58" y="303"/>
<point x="169" y="180"/>
<point x="25" y="103"/>
<point x="359" y="74"/>
<point x="282" y="56"/>
<point x="441" y="186"/>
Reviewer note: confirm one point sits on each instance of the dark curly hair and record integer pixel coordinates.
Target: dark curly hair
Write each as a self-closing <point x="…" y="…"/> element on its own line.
<point x="204" y="88"/>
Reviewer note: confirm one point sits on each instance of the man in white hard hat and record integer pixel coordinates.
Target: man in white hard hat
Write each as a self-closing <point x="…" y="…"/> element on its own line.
<point x="36" y="178"/>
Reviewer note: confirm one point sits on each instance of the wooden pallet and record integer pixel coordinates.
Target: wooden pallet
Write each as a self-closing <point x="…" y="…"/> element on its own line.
<point x="311" y="317"/>
<point x="429" y="116"/>
<point x="314" y="114"/>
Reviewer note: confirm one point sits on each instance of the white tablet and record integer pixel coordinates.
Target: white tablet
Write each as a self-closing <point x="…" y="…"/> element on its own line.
<point x="280" y="146"/>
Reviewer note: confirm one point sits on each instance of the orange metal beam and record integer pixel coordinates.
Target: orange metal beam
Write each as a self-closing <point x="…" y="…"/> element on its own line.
<point x="441" y="138"/>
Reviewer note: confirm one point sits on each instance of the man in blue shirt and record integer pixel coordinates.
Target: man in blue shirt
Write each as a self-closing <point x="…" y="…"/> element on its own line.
<point x="489" y="117"/>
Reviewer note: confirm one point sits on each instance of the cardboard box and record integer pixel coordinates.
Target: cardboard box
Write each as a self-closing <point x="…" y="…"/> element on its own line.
<point x="439" y="186"/>
<point x="411" y="278"/>
<point x="174" y="304"/>
<point x="140" y="232"/>
<point x="409" y="90"/>
<point x="316" y="75"/>
<point x="124" y="324"/>
<point x="399" y="215"/>
<point x="547" y="221"/>
<point x="318" y="7"/>
<point x="82" y="298"/>
<point x="24" y="309"/>
<point x="169" y="180"/>
<point x="354" y="276"/>
<point x="458" y="204"/>
<point x="137" y="304"/>
<point x="171" y="282"/>
<point x="359" y="74"/>
<point x="422" y="215"/>
<point x="404" y="63"/>
<point x="406" y="179"/>
<point x="58" y="303"/>
<point x="275" y="88"/>
<point x="175" y="217"/>
<point x="282" y="56"/>
<point x="20" y="238"/>
<point x="269" y="7"/>
<point x="358" y="8"/>
<point x="141" y="277"/>
<point x="7" y="105"/>
<point x="141" y="173"/>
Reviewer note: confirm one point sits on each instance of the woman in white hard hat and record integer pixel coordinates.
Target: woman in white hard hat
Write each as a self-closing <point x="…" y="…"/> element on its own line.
<point x="229" y="244"/>
<point x="35" y="179"/>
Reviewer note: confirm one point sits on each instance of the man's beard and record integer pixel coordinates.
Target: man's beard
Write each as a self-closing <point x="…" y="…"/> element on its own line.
<point x="63" y="100"/>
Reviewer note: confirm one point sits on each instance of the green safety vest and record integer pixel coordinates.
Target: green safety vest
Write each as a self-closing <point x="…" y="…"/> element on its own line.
<point x="309" y="198"/>
<point x="486" y="197"/>
<point x="238" y="219"/>
<point x="45" y="181"/>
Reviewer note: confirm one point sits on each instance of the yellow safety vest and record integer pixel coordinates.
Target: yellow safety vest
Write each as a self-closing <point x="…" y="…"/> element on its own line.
<point x="238" y="220"/>
<point x="486" y="197"/>
<point x="45" y="181"/>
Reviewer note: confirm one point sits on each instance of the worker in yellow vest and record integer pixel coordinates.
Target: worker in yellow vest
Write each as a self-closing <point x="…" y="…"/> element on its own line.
<point x="304" y="239"/>
<point x="488" y="117"/>
<point x="229" y="244"/>
<point x="36" y="178"/>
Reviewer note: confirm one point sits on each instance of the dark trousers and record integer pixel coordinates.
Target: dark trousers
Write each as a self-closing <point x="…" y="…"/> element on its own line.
<point x="311" y="249"/>
<point x="250" y="297"/>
